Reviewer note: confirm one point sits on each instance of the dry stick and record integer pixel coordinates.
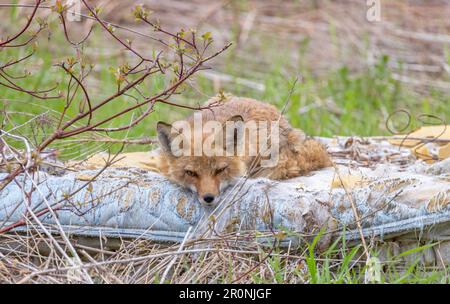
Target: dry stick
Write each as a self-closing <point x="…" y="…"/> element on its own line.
<point x="112" y="34"/>
<point x="132" y="122"/>
<point x="92" y="260"/>
<point x="80" y="84"/>
<point x="60" y="249"/>
<point x="422" y="139"/>
<point x="186" y="237"/>
<point x="58" y="224"/>
<point x="27" y="42"/>
<point x="138" y="238"/>
<point x="27" y="25"/>
<point x="27" y="146"/>
<point x="61" y="134"/>
<point x="3" y="258"/>
<point x="263" y="260"/>
<point x="355" y="214"/>
<point x="14" y="86"/>
<point x="16" y="61"/>
<point x="168" y="92"/>
<point x="17" y="87"/>
<point x="137" y="259"/>
<point x="135" y="141"/>
<point x="91" y="18"/>
<point x="247" y="252"/>
<point x="66" y="33"/>
<point x="49" y="209"/>
<point x="59" y="204"/>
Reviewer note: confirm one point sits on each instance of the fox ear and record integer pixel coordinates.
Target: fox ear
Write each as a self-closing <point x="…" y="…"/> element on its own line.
<point x="236" y="118"/>
<point x="164" y="131"/>
<point x="235" y="140"/>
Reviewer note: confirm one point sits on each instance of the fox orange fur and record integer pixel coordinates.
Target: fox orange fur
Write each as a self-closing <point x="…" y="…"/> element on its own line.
<point x="208" y="176"/>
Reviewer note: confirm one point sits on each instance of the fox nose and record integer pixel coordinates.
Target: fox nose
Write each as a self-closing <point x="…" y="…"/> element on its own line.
<point x="208" y="198"/>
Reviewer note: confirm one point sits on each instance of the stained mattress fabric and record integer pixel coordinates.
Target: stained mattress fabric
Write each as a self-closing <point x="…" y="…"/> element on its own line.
<point x="391" y="198"/>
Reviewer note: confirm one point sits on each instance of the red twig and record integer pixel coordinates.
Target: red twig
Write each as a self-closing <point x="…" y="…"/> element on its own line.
<point x="27" y="25"/>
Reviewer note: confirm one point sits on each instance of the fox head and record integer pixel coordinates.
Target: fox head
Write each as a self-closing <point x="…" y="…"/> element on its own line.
<point x="207" y="176"/>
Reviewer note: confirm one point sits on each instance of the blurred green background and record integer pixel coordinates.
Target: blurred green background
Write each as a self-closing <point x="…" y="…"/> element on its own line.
<point x="354" y="72"/>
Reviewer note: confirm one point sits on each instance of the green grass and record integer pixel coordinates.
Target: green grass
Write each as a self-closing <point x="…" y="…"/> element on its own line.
<point x="340" y="264"/>
<point x="340" y="103"/>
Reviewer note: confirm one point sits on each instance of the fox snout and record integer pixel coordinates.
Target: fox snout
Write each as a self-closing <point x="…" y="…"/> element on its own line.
<point x="208" y="189"/>
<point x="208" y="198"/>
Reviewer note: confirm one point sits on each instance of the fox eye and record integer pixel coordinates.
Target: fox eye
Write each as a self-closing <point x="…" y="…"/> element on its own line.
<point x="220" y="170"/>
<point x="190" y="173"/>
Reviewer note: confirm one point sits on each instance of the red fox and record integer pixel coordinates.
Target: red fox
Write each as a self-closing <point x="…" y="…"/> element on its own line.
<point x="208" y="174"/>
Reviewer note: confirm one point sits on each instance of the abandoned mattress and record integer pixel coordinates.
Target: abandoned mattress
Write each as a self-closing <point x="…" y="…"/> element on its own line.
<point x="384" y="187"/>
